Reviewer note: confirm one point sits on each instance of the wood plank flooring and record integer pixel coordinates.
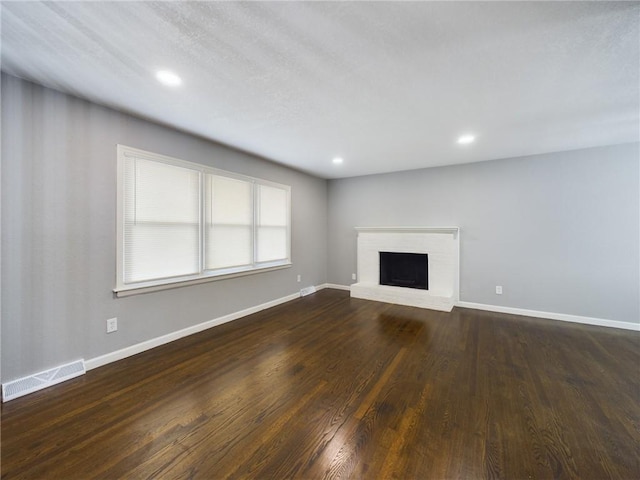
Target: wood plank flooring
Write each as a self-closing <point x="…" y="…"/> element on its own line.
<point x="332" y="387"/>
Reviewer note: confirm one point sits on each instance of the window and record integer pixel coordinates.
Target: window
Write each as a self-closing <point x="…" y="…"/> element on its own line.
<point x="272" y="223"/>
<point x="229" y="212"/>
<point x="184" y="222"/>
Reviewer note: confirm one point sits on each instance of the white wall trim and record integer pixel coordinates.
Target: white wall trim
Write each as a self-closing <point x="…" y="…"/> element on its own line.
<point x="170" y="337"/>
<point x="552" y="316"/>
<point x="335" y="286"/>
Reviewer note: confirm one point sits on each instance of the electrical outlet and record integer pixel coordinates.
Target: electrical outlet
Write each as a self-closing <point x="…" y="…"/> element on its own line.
<point x="498" y="289"/>
<point x="112" y="325"/>
<point x="299" y="278"/>
<point x="353" y="276"/>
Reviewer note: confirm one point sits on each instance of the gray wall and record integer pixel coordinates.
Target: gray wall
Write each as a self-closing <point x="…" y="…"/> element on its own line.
<point x="58" y="232"/>
<point x="560" y="232"/>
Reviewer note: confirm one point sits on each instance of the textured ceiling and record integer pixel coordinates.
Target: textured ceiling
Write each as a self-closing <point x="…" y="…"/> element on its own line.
<point x="386" y="85"/>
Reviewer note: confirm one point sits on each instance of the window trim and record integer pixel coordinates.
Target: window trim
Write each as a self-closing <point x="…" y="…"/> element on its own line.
<point x="125" y="289"/>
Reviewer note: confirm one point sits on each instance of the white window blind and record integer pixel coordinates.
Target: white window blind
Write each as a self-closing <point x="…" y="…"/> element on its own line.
<point x="272" y="223"/>
<point x="180" y="222"/>
<point x="161" y="220"/>
<point x="229" y="222"/>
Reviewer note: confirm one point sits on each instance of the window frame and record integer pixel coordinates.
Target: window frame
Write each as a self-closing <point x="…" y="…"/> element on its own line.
<point x="124" y="289"/>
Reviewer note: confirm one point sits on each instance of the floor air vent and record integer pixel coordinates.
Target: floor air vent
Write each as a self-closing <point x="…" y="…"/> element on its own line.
<point x="41" y="380"/>
<point x="307" y="291"/>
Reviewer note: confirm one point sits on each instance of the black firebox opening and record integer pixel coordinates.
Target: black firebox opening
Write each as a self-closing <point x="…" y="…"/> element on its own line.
<point x="409" y="270"/>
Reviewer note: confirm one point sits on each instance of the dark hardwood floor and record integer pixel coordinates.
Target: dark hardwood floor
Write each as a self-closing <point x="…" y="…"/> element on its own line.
<point x="332" y="387"/>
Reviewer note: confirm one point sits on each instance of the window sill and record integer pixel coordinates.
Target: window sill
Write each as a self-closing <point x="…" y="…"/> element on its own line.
<point x="148" y="287"/>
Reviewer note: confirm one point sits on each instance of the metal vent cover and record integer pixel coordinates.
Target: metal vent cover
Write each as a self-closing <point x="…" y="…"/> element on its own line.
<point x="38" y="381"/>
<point x="307" y="291"/>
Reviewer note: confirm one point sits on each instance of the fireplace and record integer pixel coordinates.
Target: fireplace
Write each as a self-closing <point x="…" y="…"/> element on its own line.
<point x="432" y="284"/>
<point x="409" y="270"/>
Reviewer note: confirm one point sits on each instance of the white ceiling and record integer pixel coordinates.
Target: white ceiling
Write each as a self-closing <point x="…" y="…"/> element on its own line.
<point x="386" y="85"/>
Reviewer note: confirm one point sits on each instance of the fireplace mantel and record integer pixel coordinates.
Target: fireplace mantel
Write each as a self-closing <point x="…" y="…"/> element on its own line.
<point x="447" y="230"/>
<point x="442" y="244"/>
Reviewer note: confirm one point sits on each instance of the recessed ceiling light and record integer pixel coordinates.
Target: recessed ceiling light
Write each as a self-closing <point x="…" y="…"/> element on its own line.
<point x="338" y="160"/>
<point x="168" y="78"/>
<point x="466" y="139"/>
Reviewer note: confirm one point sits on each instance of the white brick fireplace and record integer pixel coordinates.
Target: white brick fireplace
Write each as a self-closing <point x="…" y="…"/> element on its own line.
<point x="441" y="244"/>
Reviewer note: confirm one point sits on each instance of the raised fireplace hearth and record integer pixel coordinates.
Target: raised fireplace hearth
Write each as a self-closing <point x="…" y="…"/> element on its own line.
<point x="415" y="266"/>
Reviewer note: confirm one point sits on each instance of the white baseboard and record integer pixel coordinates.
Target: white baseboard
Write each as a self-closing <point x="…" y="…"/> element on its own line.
<point x="170" y="337"/>
<point x="601" y="322"/>
<point x="335" y="286"/>
<point x="564" y="317"/>
<point x="552" y="316"/>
